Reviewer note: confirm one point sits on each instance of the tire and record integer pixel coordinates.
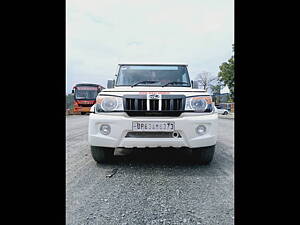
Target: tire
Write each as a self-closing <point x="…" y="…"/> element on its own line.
<point x="102" y="154"/>
<point x="204" y="155"/>
<point x="82" y="113"/>
<point x="225" y="113"/>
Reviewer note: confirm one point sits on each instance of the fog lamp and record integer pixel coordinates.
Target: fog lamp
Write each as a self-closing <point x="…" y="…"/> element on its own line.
<point x="104" y="129"/>
<point x="201" y="129"/>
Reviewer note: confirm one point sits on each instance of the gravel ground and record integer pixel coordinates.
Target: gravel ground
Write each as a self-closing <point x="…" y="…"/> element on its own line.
<point x="158" y="186"/>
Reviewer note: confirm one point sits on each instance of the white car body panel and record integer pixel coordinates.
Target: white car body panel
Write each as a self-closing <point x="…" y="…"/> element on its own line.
<point x="222" y="111"/>
<point x="138" y="89"/>
<point x="154" y="63"/>
<point x="121" y="123"/>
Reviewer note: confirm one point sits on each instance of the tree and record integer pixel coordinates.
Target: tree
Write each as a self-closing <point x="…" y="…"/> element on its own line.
<point x="226" y="75"/>
<point x="205" y="80"/>
<point x="69" y="101"/>
<point x="216" y="91"/>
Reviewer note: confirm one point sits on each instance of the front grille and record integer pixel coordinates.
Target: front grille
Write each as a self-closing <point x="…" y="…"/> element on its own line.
<point x="132" y="104"/>
<point x="171" y="105"/>
<point x="154" y="105"/>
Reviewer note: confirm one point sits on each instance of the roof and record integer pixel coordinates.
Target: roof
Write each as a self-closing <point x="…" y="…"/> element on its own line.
<point x="86" y="84"/>
<point x="153" y="63"/>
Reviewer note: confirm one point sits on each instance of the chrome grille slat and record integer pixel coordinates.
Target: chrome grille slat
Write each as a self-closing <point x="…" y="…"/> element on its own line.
<point x="139" y="105"/>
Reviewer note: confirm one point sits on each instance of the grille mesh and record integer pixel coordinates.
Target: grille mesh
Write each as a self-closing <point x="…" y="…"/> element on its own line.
<point x="151" y="135"/>
<point x="134" y="104"/>
<point x="171" y="105"/>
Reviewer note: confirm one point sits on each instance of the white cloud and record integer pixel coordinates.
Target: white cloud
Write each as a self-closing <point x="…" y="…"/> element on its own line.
<point x="102" y="33"/>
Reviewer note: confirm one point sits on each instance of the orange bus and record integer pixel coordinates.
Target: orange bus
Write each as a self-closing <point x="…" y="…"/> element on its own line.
<point x="85" y="96"/>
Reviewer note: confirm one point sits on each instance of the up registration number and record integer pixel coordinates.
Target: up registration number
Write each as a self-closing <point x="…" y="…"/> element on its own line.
<point x="153" y="126"/>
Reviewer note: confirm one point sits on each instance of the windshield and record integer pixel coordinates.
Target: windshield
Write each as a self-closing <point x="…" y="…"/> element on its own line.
<point x="159" y="75"/>
<point x="86" y="93"/>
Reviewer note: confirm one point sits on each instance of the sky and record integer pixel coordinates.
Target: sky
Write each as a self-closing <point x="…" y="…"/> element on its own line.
<point x="101" y="33"/>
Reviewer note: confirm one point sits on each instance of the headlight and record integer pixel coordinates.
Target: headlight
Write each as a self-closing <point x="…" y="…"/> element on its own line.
<point x="109" y="104"/>
<point x="199" y="104"/>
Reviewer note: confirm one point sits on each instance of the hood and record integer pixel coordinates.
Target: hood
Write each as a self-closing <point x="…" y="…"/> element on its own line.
<point x="120" y="91"/>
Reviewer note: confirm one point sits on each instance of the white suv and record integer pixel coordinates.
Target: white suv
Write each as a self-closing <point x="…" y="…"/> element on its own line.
<point x="222" y="111"/>
<point x="153" y="105"/>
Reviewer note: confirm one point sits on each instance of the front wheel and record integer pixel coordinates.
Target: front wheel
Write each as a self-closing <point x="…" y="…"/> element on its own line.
<point x="102" y="154"/>
<point x="204" y="155"/>
<point x="82" y="113"/>
<point x="225" y="113"/>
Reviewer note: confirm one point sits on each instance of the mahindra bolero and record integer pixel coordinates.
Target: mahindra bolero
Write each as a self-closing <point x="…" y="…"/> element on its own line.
<point x="152" y="105"/>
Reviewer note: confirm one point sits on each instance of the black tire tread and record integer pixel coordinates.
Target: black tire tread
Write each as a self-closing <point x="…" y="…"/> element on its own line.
<point x="102" y="154"/>
<point x="204" y="155"/>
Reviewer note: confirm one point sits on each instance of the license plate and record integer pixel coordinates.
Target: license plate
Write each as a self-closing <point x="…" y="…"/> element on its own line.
<point x="153" y="126"/>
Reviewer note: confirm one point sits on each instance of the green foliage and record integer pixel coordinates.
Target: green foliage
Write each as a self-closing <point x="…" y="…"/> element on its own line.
<point x="69" y="101"/>
<point x="216" y="89"/>
<point x="230" y="100"/>
<point x="226" y="75"/>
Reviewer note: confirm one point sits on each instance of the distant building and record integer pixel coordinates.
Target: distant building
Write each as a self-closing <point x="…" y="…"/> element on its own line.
<point x="221" y="98"/>
<point x="225" y="90"/>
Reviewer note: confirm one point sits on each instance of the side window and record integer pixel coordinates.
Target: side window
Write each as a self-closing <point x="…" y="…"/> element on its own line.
<point x="184" y="77"/>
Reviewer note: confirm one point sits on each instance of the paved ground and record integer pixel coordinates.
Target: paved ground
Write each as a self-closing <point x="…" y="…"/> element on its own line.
<point x="228" y="116"/>
<point x="159" y="186"/>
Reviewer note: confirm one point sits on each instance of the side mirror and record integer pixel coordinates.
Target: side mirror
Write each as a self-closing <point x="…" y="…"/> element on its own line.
<point x="195" y="84"/>
<point x="110" y="83"/>
<point x="72" y="91"/>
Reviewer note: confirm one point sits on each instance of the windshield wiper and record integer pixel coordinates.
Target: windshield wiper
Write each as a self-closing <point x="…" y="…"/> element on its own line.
<point x="175" y="82"/>
<point x="145" y="82"/>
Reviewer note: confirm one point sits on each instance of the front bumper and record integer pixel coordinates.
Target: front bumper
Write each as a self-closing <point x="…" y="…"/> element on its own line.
<point x="81" y="109"/>
<point x="121" y="124"/>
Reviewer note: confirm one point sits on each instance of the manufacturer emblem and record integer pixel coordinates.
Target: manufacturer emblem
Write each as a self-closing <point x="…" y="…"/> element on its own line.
<point x="154" y="96"/>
